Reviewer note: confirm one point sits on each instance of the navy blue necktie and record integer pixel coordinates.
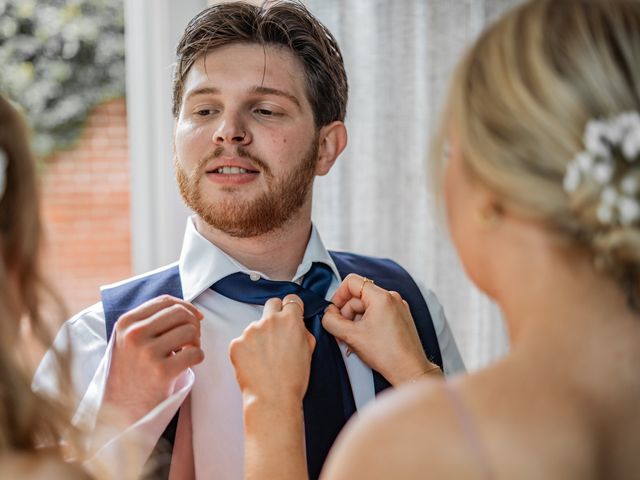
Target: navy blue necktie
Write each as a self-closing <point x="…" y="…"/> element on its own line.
<point x="328" y="403"/>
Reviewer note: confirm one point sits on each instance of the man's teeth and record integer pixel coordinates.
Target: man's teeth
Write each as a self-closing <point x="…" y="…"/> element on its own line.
<point x="231" y="170"/>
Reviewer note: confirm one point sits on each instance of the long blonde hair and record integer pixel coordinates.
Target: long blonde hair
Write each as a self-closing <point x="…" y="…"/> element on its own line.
<point x="27" y="420"/>
<point x="520" y="101"/>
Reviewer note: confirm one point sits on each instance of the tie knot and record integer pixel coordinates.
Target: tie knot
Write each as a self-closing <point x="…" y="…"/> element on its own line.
<point x="240" y="287"/>
<point x="318" y="279"/>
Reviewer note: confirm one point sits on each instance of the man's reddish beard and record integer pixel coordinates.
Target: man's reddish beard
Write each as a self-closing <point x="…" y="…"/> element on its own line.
<point x="266" y="212"/>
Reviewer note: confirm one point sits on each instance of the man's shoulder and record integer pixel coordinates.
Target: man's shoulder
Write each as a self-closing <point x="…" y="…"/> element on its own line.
<point x="361" y="259"/>
<point x="120" y="297"/>
<point x="350" y="262"/>
<point x="160" y="273"/>
<point x="385" y="272"/>
<point x="95" y="313"/>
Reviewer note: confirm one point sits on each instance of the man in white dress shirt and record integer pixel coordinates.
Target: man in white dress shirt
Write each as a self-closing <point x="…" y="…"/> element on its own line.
<point x="259" y="102"/>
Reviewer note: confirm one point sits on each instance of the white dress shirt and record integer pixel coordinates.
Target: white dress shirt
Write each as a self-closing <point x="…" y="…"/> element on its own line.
<point x="216" y="403"/>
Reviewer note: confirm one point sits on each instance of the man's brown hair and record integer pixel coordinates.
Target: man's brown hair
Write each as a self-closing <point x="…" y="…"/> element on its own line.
<point x="284" y="23"/>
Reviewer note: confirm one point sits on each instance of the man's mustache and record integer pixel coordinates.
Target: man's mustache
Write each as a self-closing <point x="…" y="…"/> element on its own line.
<point x="239" y="152"/>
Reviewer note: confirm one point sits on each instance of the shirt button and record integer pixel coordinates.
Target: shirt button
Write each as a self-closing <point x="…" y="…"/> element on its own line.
<point x="254" y="276"/>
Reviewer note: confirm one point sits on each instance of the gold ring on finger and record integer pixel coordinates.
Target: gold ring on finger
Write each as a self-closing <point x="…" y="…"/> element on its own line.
<point x="284" y="304"/>
<point x="365" y="280"/>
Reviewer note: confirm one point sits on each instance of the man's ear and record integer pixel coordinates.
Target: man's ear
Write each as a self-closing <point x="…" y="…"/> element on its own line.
<point x="332" y="141"/>
<point x="173" y="136"/>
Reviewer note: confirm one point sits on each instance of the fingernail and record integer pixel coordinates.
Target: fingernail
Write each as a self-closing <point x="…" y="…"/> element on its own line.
<point x="348" y="351"/>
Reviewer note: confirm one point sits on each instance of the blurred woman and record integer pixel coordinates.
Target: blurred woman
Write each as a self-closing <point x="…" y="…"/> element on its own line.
<point x="32" y="426"/>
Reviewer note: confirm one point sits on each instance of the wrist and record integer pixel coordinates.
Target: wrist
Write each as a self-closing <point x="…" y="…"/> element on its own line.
<point x="258" y="409"/>
<point x="125" y="410"/>
<point x="425" y="369"/>
<point x="272" y="428"/>
<point x="430" y="370"/>
<point x="277" y="403"/>
<point x="134" y="407"/>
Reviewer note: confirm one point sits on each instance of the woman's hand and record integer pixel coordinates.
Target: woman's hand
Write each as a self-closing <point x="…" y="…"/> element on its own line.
<point x="272" y="358"/>
<point x="377" y="325"/>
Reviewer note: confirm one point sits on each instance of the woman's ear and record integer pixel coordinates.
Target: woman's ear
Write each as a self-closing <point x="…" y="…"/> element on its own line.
<point x="332" y="141"/>
<point x="490" y="213"/>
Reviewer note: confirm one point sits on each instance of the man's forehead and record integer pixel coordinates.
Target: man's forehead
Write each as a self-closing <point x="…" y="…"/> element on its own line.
<point x="268" y="66"/>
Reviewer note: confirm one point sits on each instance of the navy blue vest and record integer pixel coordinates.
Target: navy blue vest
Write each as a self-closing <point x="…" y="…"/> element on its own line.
<point x="387" y="274"/>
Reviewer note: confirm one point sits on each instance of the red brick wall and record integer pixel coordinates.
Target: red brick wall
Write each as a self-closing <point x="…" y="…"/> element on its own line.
<point x="86" y="209"/>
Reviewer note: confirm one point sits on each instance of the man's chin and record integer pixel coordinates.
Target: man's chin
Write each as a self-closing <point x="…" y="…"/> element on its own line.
<point x="240" y="231"/>
<point x="237" y="224"/>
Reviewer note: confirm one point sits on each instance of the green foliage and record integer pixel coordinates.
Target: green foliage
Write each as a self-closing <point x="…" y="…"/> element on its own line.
<point x="60" y="58"/>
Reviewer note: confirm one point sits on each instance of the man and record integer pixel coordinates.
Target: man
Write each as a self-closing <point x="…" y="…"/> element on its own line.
<point x="259" y="103"/>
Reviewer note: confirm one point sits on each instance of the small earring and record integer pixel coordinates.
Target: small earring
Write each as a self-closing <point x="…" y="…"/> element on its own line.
<point x="490" y="215"/>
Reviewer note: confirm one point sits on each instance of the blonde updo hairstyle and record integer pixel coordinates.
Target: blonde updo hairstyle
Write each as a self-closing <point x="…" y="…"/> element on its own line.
<point x="520" y="101"/>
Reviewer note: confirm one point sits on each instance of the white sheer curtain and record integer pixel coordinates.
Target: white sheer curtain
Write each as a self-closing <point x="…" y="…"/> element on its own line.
<point x="378" y="198"/>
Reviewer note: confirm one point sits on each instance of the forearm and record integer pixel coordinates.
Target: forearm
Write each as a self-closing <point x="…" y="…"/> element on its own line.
<point x="274" y="440"/>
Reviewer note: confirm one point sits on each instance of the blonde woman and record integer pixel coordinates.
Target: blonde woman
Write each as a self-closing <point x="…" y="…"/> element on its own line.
<point x="542" y="185"/>
<point x="31" y="425"/>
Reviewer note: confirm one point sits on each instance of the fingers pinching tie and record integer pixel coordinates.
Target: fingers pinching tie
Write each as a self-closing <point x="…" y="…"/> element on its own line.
<point x="365" y="280"/>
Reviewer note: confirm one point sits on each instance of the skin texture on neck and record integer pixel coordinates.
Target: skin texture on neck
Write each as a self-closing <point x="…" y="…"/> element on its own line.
<point x="276" y="254"/>
<point x="545" y="285"/>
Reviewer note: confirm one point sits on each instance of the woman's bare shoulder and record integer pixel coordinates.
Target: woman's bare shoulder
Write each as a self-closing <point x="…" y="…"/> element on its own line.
<point x="36" y="466"/>
<point x="489" y="421"/>
<point x="403" y="433"/>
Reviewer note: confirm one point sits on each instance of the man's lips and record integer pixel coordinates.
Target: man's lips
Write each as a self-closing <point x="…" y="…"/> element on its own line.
<point x="231" y="166"/>
<point x="230" y="171"/>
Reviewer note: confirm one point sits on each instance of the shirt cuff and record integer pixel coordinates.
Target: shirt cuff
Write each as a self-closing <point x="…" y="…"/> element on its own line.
<point x="122" y="452"/>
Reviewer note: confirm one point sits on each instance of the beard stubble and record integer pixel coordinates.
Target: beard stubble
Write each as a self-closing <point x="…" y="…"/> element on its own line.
<point x="266" y="212"/>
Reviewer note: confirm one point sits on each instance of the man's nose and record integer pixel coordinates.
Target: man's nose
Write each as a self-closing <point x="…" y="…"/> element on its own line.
<point x="231" y="131"/>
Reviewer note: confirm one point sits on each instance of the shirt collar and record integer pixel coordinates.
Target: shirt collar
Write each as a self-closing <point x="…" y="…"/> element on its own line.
<point x="202" y="263"/>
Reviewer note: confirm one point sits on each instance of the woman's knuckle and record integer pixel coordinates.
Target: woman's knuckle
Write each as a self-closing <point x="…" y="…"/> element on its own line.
<point x="387" y="299"/>
<point x="164" y="299"/>
<point x="134" y="336"/>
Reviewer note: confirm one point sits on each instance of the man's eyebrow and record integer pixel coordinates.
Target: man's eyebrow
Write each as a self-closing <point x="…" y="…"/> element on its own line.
<point x="202" y="91"/>
<point x="275" y="91"/>
<point x="259" y="90"/>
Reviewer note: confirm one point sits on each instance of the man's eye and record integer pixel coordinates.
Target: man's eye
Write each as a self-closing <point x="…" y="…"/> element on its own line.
<point x="265" y="112"/>
<point x="203" y="112"/>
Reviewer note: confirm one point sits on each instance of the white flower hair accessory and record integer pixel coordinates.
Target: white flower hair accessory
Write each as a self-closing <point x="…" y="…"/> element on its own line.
<point x="611" y="161"/>
<point x="4" y="161"/>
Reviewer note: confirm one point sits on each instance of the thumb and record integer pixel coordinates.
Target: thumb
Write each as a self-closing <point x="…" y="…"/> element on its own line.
<point x="340" y="327"/>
